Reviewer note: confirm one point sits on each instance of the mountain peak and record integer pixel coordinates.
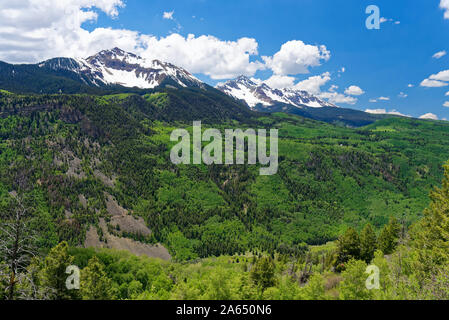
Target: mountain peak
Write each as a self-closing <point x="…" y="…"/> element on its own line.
<point x="242" y="78"/>
<point x="115" y="50"/>
<point x="116" y="54"/>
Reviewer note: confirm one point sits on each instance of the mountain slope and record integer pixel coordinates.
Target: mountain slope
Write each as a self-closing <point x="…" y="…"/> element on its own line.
<point x="337" y="116"/>
<point x="32" y="79"/>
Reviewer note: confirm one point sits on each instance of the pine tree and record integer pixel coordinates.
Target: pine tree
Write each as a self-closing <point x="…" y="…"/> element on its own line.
<point x="388" y="239"/>
<point x="368" y="243"/>
<point x="262" y="273"/>
<point x="95" y="285"/>
<point x="348" y="248"/>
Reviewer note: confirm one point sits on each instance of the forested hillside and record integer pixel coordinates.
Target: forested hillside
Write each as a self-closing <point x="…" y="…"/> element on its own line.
<point x="95" y="171"/>
<point x="78" y="158"/>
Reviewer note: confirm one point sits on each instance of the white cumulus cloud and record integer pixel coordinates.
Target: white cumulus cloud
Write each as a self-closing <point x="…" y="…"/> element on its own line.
<point x="432" y="83"/>
<point x="440" y="76"/>
<point x="205" y="54"/>
<point x="354" y="91"/>
<point x="436" y="80"/>
<point x="384" y="111"/>
<point x="32" y="30"/>
<point x="313" y="84"/>
<point x="429" y="116"/>
<point x="336" y="98"/>
<point x="280" y="82"/>
<point x="295" y="57"/>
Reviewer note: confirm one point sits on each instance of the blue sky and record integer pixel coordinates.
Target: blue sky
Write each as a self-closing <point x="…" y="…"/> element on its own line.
<point x="380" y="62"/>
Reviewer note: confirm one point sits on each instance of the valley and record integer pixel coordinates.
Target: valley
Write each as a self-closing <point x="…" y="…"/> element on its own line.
<point x="329" y="177"/>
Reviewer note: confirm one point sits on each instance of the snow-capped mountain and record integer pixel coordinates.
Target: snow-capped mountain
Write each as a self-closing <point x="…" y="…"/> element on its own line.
<point x="254" y="93"/>
<point x="117" y="67"/>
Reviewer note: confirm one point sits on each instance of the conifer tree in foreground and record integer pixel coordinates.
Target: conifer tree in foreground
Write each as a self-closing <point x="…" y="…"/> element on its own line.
<point x="348" y="247"/>
<point x="368" y="243"/>
<point x="263" y="272"/>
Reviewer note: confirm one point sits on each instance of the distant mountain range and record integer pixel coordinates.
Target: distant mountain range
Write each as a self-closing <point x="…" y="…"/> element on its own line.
<point x="117" y="71"/>
<point x="260" y="97"/>
<point x="260" y="94"/>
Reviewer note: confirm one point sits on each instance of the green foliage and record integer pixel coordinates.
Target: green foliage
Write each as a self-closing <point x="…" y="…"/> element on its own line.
<point x="160" y="100"/>
<point x="94" y="284"/>
<point x="182" y="249"/>
<point x="353" y="286"/>
<point x="315" y="289"/>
